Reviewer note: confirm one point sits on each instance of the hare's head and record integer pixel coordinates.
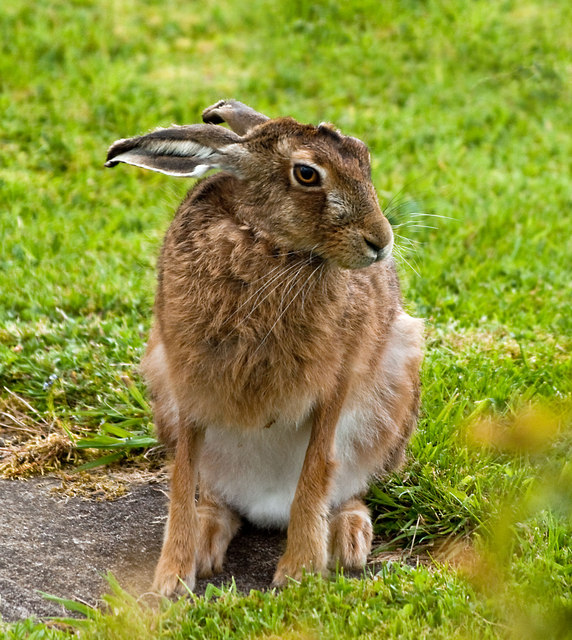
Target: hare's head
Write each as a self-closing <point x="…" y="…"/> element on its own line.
<point x="307" y="187"/>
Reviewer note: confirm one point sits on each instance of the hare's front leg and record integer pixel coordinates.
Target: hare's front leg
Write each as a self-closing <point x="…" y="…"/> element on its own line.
<point x="307" y="544"/>
<point x="177" y="561"/>
<point x="351" y="535"/>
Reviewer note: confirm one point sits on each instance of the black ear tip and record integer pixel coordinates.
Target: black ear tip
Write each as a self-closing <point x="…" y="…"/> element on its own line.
<point x="111" y="153"/>
<point x="212" y="118"/>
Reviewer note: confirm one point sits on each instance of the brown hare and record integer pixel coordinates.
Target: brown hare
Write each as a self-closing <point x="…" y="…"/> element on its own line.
<point x="283" y="370"/>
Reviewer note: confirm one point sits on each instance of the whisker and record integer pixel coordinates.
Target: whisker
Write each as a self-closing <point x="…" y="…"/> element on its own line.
<point x="313" y="284"/>
<point x="430" y="215"/>
<point x="395" y="199"/>
<point x="286" y="309"/>
<point x="291" y="285"/>
<point x="324" y="281"/>
<point x="259" y="302"/>
<point x="413" y="225"/>
<point x="412" y="241"/>
<point x="260" y="290"/>
<point x="398" y="205"/>
<point x="285" y="254"/>
<point x="401" y="257"/>
<point x="293" y="282"/>
<point x="278" y="266"/>
<point x="404" y="214"/>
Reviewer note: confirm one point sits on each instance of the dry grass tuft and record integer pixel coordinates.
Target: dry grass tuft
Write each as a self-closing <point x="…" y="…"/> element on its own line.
<point x="29" y="443"/>
<point x="423" y="555"/>
<point x="19" y="420"/>
<point x="102" y="484"/>
<point x="38" y="455"/>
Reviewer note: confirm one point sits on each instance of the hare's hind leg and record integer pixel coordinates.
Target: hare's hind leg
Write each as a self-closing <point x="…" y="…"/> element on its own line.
<point x="218" y="525"/>
<point x="351" y="534"/>
<point x="177" y="563"/>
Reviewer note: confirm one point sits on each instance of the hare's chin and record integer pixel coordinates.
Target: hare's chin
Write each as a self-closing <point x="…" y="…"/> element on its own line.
<point x="359" y="262"/>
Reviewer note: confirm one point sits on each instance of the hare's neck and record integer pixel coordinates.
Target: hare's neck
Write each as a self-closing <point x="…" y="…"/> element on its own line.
<point x="284" y="287"/>
<point x="264" y="232"/>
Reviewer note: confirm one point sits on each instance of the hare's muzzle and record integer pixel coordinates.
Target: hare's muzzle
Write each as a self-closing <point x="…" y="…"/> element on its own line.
<point x="378" y="239"/>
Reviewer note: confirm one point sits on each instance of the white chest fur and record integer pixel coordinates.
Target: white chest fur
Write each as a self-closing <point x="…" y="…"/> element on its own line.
<point x="256" y="472"/>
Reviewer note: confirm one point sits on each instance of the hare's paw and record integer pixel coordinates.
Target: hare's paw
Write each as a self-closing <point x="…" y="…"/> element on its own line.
<point x="293" y="564"/>
<point x="351" y="535"/>
<point x="218" y="526"/>
<point x="174" y="579"/>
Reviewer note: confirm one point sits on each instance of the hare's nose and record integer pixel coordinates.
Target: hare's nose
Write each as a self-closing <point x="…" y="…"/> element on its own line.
<point x="373" y="246"/>
<point x="377" y="251"/>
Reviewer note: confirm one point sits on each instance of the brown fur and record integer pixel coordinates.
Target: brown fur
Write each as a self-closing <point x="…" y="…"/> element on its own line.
<point x="269" y="305"/>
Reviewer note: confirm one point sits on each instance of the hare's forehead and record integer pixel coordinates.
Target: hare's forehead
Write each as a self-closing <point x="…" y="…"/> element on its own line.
<point x="332" y="159"/>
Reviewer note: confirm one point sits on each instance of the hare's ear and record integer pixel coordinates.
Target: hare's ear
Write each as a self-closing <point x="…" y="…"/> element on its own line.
<point x="187" y="151"/>
<point x="239" y="117"/>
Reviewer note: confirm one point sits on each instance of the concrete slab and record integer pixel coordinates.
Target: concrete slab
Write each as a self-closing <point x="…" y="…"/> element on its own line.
<point x="66" y="546"/>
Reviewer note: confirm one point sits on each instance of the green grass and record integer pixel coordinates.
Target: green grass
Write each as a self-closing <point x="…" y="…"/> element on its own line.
<point x="401" y="602"/>
<point x="467" y="110"/>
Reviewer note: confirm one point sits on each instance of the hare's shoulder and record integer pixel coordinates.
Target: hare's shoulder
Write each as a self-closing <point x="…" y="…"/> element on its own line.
<point x="208" y="202"/>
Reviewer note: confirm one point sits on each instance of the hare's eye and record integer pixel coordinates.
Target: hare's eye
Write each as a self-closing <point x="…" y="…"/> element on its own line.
<point x="306" y="175"/>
